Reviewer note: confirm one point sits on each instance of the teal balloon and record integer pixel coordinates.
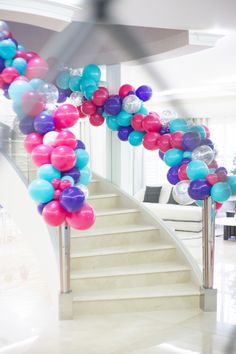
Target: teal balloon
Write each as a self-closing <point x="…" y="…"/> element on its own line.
<point x="41" y="191"/>
<point x="17" y="108"/>
<point x="7" y="49"/>
<point x="74" y="83"/>
<point x="187" y="154"/>
<point x="48" y="172"/>
<point x="178" y="124"/>
<point x="199" y="129"/>
<point x="7" y="63"/>
<point x="111" y="122"/>
<point x="17" y="89"/>
<point x="199" y="202"/>
<point x="82" y="158"/>
<point x="20" y="65"/>
<point x="92" y="71"/>
<point x="232" y="183"/>
<point x="135" y="138"/>
<point x="21" y="47"/>
<point x="63" y="79"/>
<point x="85" y="176"/>
<point x="124" y="118"/>
<point x="143" y="110"/>
<point x="88" y="92"/>
<point x="36" y="83"/>
<point x="68" y="178"/>
<point x="173" y="157"/>
<point x="197" y="169"/>
<point x="220" y="192"/>
<point x="84" y="83"/>
<point x="212" y="170"/>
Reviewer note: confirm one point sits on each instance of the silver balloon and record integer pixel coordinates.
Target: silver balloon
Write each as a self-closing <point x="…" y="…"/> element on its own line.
<point x="180" y="193"/>
<point x="49" y="92"/>
<point x="76" y="72"/>
<point x="4" y="26"/>
<point x="76" y="98"/>
<point x="203" y="153"/>
<point x="131" y="104"/>
<point x="84" y="189"/>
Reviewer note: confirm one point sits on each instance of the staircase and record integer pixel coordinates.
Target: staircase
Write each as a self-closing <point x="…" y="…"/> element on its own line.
<point x="129" y="261"/>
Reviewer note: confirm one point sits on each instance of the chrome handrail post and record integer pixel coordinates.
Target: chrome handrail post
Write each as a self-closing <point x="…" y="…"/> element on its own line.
<point x="65" y="258"/>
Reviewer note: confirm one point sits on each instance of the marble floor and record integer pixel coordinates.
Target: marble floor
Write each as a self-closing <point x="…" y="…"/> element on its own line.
<point x="28" y="321"/>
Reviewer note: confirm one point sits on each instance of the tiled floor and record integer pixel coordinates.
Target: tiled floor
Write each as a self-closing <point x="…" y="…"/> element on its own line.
<point x="28" y="322"/>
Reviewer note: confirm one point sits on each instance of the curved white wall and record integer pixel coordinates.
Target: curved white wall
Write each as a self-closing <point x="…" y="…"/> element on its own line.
<point x="15" y="198"/>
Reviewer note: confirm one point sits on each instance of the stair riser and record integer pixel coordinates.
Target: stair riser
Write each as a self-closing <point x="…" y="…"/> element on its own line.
<point x="135" y="305"/>
<point x="114" y="240"/>
<point x="130" y="281"/>
<point x="104" y="203"/>
<point x="117" y="219"/>
<point x="99" y="188"/>
<point x="116" y="260"/>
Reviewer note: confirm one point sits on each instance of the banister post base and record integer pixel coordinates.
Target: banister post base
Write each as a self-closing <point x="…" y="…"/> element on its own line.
<point x="208" y="300"/>
<point x="66" y="306"/>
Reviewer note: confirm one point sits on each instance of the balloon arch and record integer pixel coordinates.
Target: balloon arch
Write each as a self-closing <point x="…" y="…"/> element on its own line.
<point x="46" y="111"/>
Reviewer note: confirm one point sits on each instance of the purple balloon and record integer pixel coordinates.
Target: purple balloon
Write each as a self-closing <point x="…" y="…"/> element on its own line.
<point x="44" y="123"/>
<point x="221" y="169"/>
<point x="2" y="65"/>
<point x="199" y="189"/>
<point x="164" y="130"/>
<point x="26" y="125"/>
<point x="185" y="160"/>
<point x="40" y="207"/>
<point x="100" y="110"/>
<point x="191" y="140"/>
<point x="80" y="145"/>
<point x="73" y="172"/>
<point x="144" y="93"/>
<point x="14" y="41"/>
<point x="124" y="132"/>
<point x="172" y="175"/>
<point x="207" y="142"/>
<point x="113" y="106"/>
<point x="5" y="89"/>
<point x="72" y="199"/>
<point x="63" y="94"/>
<point x="161" y="154"/>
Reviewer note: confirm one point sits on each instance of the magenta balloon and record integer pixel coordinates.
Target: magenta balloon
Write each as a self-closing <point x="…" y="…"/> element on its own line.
<point x="82" y="219"/>
<point x="63" y="158"/>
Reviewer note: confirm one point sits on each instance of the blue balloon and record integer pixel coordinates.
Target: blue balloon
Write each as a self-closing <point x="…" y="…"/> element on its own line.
<point x="173" y="157"/>
<point x="74" y="83"/>
<point x="62" y="80"/>
<point x="82" y="158"/>
<point x="199" y="129"/>
<point x="72" y="199"/>
<point x="197" y="169"/>
<point x="48" y="172"/>
<point x="68" y="178"/>
<point x="41" y="191"/>
<point x="17" y="89"/>
<point x="178" y="124"/>
<point x="20" y="65"/>
<point x="92" y="71"/>
<point x="112" y="124"/>
<point x="220" y="192"/>
<point x="85" y="176"/>
<point x="232" y="183"/>
<point x="44" y="123"/>
<point x="135" y="138"/>
<point x="7" y="49"/>
<point x="36" y="83"/>
<point x="124" y="118"/>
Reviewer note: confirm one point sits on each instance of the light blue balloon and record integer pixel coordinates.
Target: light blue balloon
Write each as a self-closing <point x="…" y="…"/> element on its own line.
<point x="20" y="65"/>
<point x="187" y="154"/>
<point x="85" y="176"/>
<point x="212" y="170"/>
<point x="84" y="83"/>
<point x="92" y="71"/>
<point x="82" y="158"/>
<point x="41" y="191"/>
<point x="197" y="169"/>
<point x="124" y="118"/>
<point x="232" y="183"/>
<point x="68" y="178"/>
<point x="21" y="47"/>
<point x="17" y="108"/>
<point x="220" y="192"/>
<point x="74" y="83"/>
<point x="199" y="129"/>
<point x="48" y="172"/>
<point x="62" y="80"/>
<point x="135" y="138"/>
<point x="36" y="83"/>
<point x="143" y="110"/>
<point x="17" y="89"/>
<point x="111" y="122"/>
<point x="178" y="124"/>
<point x="173" y="157"/>
<point x="88" y="92"/>
<point x="7" y="63"/>
<point x="7" y="49"/>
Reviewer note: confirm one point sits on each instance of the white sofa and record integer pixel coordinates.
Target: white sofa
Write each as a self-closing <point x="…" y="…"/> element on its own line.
<point x="180" y="217"/>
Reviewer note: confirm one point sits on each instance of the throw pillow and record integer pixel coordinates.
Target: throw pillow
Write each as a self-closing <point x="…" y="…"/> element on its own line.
<point x="152" y="194"/>
<point x="171" y="199"/>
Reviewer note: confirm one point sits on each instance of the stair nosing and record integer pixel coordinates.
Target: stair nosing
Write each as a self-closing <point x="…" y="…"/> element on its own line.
<point x="117" y="212"/>
<point x="103" y="195"/>
<point x="143" y="228"/>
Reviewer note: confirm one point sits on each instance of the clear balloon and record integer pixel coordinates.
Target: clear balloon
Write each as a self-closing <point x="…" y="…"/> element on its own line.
<point x="203" y="153"/>
<point x="131" y="104"/>
<point x="50" y="94"/>
<point x="76" y="98"/>
<point x="50" y="138"/>
<point x="180" y="193"/>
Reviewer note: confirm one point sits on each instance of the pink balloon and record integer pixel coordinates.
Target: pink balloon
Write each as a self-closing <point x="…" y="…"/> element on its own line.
<point x="36" y="68"/>
<point x="164" y="142"/>
<point x="151" y="123"/>
<point x="66" y="138"/>
<point x="31" y="55"/>
<point x="207" y="131"/>
<point x="82" y="219"/>
<point x="96" y="119"/>
<point x="41" y="155"/>
<point x="182" y="172"/>
<point x="20" y="54"/>
<point x="63" y="158"/>
<point x="32" y="103"/>
<point x="125" y="89"/>
<point x="54" y="214"/>
<point x="176" y="140"/>
<point x="56" y="183"/>
<point x="65" y="116"/>
<point x="212" y="178"/>
<point x="32" y="140"/>
<point x="57" y="194"/>
<point x="65" y="183"/>
<point x="23" y="78"/>
<point x="150" y="141"/>
<point x="136" y="122"/>
<point x="9" y="74"/>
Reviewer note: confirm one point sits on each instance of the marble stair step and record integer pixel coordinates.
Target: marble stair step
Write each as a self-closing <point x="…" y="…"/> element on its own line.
<point x="112" y="230"/>
<point x="130" y="276"/>
<point x="105" y="201"/>
<point x="112" y="217"/>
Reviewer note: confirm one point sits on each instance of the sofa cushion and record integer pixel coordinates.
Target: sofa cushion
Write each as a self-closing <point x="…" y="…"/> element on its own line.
<point x="152" y="194"/>
<point x="178" y="212"/>
<point x="171" y="199"/>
